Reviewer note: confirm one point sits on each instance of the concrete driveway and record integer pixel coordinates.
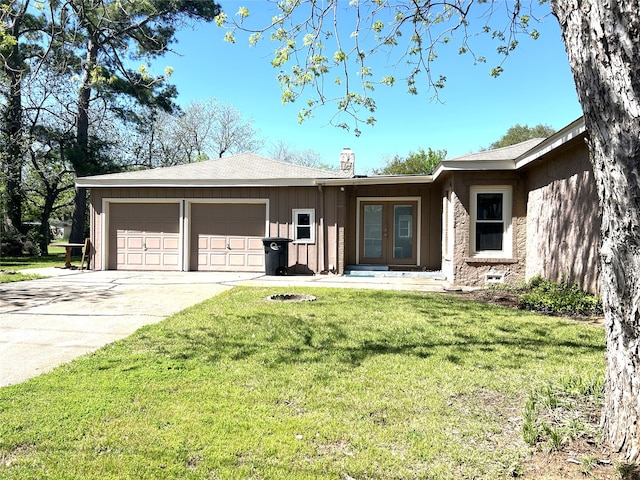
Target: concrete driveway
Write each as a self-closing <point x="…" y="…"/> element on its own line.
<point x="45" y="323"/>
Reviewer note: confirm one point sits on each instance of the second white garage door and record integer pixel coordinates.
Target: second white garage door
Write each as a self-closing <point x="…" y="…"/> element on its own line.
<point x="227" y="237"/>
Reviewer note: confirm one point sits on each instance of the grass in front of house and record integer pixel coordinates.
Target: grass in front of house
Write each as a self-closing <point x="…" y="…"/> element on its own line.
<point x="8" y="277"/>
<point x="358" y="384"/>
<point x="54" y="259"/>
<point x="9" y="266"/>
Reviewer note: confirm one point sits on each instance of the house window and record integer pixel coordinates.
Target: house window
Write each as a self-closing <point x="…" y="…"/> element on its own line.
<point x="491" y="221"/>
<point x="304" y="225"/>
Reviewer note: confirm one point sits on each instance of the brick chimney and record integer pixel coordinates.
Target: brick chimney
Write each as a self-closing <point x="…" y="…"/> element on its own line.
<point x="347" y="162"/>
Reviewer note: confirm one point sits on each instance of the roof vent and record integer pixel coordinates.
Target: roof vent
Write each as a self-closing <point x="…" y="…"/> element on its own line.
<point x="347" y="162"/>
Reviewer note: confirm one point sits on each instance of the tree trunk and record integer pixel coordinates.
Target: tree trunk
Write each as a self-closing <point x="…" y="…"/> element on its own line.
<point x="82" y="138"/>
<point x="13" y="122"/>
<point x="602" y="39"/>
<point x="14" y="68"/>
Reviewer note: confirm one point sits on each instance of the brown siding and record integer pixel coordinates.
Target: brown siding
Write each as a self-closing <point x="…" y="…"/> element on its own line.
<point x="429" y="195"/>
<point x="563" y="220"/>
<point x="303" y="258"/>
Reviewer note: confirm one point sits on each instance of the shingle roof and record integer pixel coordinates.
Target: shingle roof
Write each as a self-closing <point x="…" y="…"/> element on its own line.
<point x="241" y="169"/>
<point x="244" y="166"/>
<point x="505" y="153"/>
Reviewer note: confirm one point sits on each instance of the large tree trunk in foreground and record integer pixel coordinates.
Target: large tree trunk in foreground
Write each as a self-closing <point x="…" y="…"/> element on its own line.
<point x="602" y="38"/>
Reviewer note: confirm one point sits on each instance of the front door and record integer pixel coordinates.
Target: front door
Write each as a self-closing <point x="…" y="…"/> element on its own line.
<point x="388" y="232"/>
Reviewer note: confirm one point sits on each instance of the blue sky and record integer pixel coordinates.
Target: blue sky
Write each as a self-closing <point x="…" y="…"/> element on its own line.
<point x="476" y="109"/>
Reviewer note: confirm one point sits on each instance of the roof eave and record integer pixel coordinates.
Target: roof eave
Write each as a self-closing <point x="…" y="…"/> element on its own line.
<point x="89" y="182"/>
<point x="376" y="180"/>
<point x="574" y="130"/>
<point x="472" y="166"/>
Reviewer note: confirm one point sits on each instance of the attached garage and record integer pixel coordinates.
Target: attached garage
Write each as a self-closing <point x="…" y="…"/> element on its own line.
<point x="213" y="215"/>
<point x="144" y="236"/>
<point x="227" y="236"/>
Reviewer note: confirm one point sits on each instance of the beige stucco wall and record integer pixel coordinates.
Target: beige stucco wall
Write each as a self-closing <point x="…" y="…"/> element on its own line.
<point x="460" y="267"/>
<point x="563" y="221"/>
<point x="328" y="203"/>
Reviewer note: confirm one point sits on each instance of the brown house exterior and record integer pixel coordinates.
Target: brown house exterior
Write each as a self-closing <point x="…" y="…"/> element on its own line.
<point x="504" y="215"/>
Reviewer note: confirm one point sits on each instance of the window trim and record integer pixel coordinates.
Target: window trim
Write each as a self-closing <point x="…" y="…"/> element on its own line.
<point x="507" y="214"/>
<point x="312" y="225"/>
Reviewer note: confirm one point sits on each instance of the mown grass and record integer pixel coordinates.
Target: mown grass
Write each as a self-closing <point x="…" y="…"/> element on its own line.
<point x="358" y="384"/>
<point x="55" y="258"/>
<point x="10" y="267"/>
<point x="11" y="276"/>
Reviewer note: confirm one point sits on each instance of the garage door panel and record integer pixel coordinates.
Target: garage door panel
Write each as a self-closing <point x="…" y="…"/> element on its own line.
<point x="218" y="243"/>
<point x="256" y="244"/>
<point x="218" y="260"/>
<point x="237" y="260"/>
<point x="173" y="260"/>
<point x="255" y="260"/>
<point x="170" y="244"/>
<point x="238" y="243"/>
<point x="133" y="242"/>
<point x="133" y="259"/>
<point x="152" y="243"/>
<point x="152" y="259"/>
<point x="226" y="237"/>
<point x="140" y="235"/>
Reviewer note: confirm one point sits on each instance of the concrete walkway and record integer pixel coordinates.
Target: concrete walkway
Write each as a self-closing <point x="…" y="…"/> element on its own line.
<point x="45" y="323"/>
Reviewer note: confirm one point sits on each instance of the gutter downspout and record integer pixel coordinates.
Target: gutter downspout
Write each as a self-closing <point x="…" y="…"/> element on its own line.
<point x="321" y="233"/>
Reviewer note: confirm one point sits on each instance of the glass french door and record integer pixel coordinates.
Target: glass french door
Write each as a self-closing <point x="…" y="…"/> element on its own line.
<point x="388" y="233"/>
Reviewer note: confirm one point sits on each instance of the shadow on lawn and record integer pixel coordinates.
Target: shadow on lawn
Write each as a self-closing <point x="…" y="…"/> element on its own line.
<point x="17" y="296"/>
<point x="290" y="339"/>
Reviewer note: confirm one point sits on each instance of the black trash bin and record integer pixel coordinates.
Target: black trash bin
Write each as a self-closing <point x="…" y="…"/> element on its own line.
<point x="276" y="255"/>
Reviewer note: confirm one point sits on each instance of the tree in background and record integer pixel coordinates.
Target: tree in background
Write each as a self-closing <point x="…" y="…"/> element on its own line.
<point x="416" y="163"/>
<point x="602" y="40"/>
<point x="283" y="152"/>
<point x="216" y="128"/>
<point x="109" y="36"/>
<point x="48" y="181"/>
<point x="22" y="46"/>
<point x="203" y="130"/>
<point x="519" y="133"/>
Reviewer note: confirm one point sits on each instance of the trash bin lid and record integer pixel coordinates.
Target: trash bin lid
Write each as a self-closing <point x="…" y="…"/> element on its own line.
<point x="276" y="239"/>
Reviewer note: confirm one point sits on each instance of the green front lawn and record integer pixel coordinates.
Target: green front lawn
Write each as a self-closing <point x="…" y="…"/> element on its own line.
<point x="358" y="384"/>
<point x="54" y="259"/>
<point x="10" y="265"/>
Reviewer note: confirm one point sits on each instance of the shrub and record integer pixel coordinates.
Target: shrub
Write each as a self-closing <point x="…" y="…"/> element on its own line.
<point x="559" y="298"/>
<point x="17" y="245"/>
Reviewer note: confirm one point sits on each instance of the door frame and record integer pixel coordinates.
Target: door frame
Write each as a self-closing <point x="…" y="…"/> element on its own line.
<point x="417" y="200"/>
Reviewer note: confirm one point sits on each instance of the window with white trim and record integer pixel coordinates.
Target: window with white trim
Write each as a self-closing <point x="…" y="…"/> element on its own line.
<point x="304" y="230"/>
<point x="491" y="221"/>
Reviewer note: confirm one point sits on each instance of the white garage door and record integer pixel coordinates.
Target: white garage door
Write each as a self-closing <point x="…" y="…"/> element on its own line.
<point x="144" y="236"/>
<point x="227" y="237"/>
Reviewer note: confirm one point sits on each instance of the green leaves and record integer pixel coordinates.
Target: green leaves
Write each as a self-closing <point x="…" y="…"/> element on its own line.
<point x="365" y="40"/>
<point x="416" y="163"/>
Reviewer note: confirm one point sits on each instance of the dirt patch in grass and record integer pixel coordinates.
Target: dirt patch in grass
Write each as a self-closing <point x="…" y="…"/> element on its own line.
<point x="582" y="458"/>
